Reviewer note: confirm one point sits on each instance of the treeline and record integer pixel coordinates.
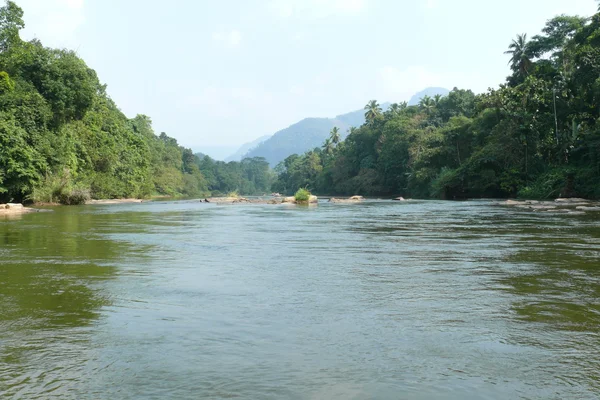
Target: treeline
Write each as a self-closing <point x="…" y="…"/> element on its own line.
<point x="251" y="176"/>
<point x="536" y="136"/>
<point x="62" y="139"/>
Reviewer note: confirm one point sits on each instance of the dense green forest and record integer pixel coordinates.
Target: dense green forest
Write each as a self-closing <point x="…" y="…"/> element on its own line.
<point x="536" y="136"/>
<point x="62" y="139"/>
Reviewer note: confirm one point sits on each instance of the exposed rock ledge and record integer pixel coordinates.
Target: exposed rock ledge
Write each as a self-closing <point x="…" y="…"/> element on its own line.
<point x="114" y="201"/>
<point x="15" y="209"/>
<point x="353" y="199"/>
<point x="574" y="206"/>
<point x="243" y="200"/>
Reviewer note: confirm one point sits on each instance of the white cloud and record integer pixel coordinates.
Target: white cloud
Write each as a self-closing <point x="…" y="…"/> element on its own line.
<point x="232" y="38"/>
<point x="54" y="22"/>
<point x="312" y="9"/>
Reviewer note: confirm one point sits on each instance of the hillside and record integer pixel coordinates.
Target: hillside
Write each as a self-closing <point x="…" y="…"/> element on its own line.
<point x="312" y="132"/>
<point x="305" y="135"/>
<point x="430" y="91"/>
<point x="245" y="148"/>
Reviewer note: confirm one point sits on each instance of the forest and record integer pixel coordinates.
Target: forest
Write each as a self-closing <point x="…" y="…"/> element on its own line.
<point x="536" y="136"/>
<point x="63" y="140"/>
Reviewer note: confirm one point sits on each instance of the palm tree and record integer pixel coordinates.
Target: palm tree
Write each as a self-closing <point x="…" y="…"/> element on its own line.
<point x="436" y="99"/>
<point x="328" y="146"/>
<point x="520" y="55"/>
<point x="334" y="135"/>
<point x="394" y="109"/>
<point x="373" y="111"/>
<point x="427" y="103"/>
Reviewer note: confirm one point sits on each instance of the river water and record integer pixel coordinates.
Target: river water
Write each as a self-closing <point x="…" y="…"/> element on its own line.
<point x="383" y="300"/>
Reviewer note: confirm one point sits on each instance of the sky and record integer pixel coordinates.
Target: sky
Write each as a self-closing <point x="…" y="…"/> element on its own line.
<point x="217" y="74"/>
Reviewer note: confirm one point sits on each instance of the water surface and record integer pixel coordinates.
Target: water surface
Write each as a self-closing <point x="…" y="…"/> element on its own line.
<point x="415" y="300"/>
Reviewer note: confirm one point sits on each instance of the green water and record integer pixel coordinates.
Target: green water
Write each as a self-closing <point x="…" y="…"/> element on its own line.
<point x="416" y="300"/>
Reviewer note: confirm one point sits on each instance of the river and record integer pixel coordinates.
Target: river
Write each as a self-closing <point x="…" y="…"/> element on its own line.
<point x="382" y="300"/>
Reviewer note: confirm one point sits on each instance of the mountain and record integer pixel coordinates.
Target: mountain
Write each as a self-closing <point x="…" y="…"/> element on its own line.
<point x="431" y="91"/>
<point x="312" y="132"/>
<point x="245" y="148"/>
<point x="218" y="152"/>
<point x="305" y="135"/>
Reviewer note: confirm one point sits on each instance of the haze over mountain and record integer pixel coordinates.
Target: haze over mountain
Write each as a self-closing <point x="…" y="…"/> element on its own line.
<point x="305" y="135"/>
<point x="245" y="148"/>
<point x="430" y="91"/>
<point x="312" y="132"/>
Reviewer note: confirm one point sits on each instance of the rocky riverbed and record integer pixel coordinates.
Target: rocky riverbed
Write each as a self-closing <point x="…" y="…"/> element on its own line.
<point x="573" y="206"/>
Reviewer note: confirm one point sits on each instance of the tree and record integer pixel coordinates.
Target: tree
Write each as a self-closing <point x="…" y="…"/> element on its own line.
<point x="11" y="22"/>
<point x="427" y="104"/>
<point x="335" y="135"/>
<point x="373" y="111"/>
<point x="328" y="146"/>
<point x="519" y="50"/>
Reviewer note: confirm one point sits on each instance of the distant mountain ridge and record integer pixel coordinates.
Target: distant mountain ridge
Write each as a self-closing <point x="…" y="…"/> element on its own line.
<point x="305" y="135"/>
<point x="245" y="148"/>
<point x="309" y="133"/>
<point x="431" y="91"/>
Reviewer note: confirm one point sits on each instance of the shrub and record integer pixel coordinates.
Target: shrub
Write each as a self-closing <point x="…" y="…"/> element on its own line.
<point x="60" y="189"/>
<point x="302" y="196"/>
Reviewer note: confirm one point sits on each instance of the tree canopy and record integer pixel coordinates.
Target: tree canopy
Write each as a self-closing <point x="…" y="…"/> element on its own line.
<point x="537" y="135"/>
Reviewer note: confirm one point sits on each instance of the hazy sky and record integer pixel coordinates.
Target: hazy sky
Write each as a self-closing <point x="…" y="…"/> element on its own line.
<point x="220" y="73"/>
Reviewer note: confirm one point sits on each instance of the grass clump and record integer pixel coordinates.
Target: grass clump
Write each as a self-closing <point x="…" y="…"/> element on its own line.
<point x="302" y="196"/>
<point x="234" y="194"/>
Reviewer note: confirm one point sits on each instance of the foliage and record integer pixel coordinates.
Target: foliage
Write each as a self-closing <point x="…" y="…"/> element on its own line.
<point x="62" y="139"/>
<point x="537" y="135"/>
<point x="302" y="196"/>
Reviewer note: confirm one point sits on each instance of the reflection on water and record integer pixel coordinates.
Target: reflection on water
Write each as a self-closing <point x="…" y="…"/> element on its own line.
<point x="383" y="300"/>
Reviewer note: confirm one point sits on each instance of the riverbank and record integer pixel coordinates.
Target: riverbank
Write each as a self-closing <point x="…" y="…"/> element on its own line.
<point x="16" y="209"/>
<point x="114" y="201"/>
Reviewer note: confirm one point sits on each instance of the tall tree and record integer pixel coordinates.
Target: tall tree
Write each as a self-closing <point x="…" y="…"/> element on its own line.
<point x="335" y="135"/>
<point x="11" y="22"/>
<point x="520" y="60"/>
<point x="373" y="111"/>
<point x="328" y="146"/>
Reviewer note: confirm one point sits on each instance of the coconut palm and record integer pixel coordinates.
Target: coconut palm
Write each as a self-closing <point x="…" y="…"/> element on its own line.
<point x="436" y="99"/>
<point x="334" y="135"/>
<point x="394" y="109"/>
<point x="373" y="111"/>
<point x="427" y="103"/>
<point x="520" y="55"/>
<point x="328" y="146"/>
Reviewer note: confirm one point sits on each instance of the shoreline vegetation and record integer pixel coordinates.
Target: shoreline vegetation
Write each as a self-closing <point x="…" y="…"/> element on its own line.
<point x="537" y="136"/>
